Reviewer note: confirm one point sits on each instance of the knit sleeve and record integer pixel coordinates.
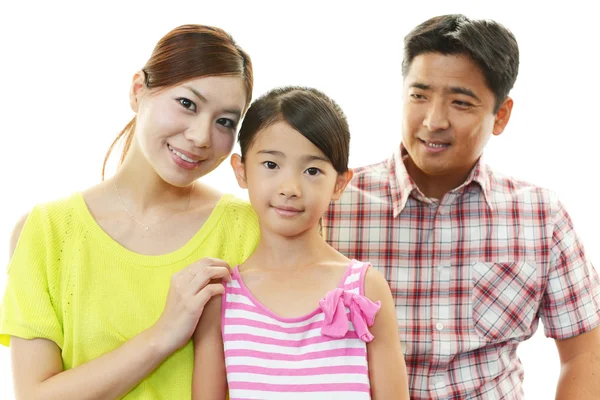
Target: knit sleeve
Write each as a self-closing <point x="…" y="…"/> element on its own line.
<point x="26" y="310"/>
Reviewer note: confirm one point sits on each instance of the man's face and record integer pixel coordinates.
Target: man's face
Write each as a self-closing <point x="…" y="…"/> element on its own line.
<point x="448" y="114"/>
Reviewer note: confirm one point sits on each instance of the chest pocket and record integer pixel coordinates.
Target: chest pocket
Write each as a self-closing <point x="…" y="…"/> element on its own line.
<point x="504" y="299"/>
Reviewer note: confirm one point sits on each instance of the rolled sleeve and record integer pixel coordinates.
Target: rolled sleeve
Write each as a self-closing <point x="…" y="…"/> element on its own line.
<point x="26" y="310"/>
<point x="571" y="302"/>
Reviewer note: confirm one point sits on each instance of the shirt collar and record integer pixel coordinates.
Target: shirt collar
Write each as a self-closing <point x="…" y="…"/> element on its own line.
<point x="402" y="185"/>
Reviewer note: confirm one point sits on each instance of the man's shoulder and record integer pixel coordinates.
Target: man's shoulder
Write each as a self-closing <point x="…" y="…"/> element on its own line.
<point x="371" y="177"/>
<point x="505" y="190"/>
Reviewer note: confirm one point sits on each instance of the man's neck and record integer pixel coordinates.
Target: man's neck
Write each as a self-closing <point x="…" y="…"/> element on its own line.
<point x="435" y="186"/>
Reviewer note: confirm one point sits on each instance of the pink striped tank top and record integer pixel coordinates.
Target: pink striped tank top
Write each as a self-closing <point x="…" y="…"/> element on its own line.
<point x="322" y="355"/>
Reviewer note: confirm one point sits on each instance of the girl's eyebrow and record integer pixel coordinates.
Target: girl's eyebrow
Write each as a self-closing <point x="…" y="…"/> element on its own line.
<point x="311" y="157"/>
<point x="306" y="158"/>
<point x="271" y="152"/>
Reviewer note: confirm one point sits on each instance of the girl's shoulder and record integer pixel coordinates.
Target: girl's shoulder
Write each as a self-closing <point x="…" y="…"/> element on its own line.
<point x="368" y="279"/>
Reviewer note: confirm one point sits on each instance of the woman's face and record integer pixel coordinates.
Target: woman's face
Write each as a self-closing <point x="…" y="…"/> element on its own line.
<point x="186" y="131"/>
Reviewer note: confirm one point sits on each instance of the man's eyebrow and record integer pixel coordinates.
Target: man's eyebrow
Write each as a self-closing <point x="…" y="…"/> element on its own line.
<point x="452" y="89"/>
<point x="235" y="112"/>
<point x="421" y="86"/>
<point x="465" y="91"/>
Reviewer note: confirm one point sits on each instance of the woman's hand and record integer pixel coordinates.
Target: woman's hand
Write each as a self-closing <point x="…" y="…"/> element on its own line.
<point x="190" y="290"/>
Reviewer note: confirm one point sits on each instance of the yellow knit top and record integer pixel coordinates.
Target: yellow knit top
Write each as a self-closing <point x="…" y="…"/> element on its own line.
<point x="70" y="282"/>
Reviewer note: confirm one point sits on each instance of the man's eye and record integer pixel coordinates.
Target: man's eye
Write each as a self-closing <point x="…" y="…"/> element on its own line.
<point x="463" y="103"/>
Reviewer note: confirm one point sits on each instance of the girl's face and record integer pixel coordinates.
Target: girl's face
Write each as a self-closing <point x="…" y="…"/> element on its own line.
<point x="290" y="181"/>
<point x="187" y="130"/>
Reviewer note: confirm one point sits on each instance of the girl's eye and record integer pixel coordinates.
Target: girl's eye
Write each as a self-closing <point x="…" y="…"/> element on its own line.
<point x="187" y="104"/>
<point x="226" y="122"/>
<point x="270" y="164"/>
<point x="313" y="171"/>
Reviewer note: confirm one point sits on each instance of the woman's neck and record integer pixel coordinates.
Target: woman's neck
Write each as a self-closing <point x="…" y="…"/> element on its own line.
<point x="138" y="185"/>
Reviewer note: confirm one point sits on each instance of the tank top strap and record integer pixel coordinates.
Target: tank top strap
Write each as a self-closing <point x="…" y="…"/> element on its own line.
<point x="354" y="277"/>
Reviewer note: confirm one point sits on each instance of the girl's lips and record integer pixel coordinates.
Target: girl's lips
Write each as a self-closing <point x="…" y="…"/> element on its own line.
<point x="287" y="211"/>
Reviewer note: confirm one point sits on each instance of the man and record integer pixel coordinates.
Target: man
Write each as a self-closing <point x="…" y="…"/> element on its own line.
<point x="473" y="258"/>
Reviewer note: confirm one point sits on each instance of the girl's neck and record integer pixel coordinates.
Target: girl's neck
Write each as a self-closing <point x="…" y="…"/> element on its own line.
<point x="291" y="253"/>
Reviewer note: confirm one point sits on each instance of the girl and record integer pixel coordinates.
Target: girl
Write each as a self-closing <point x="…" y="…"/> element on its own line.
<point x="105" y="288"/>
<point x="298" y="319"/>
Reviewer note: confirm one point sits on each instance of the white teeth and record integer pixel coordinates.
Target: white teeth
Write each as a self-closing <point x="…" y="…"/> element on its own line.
<point x="436" y="145"/>
<point x="182" y="156"/>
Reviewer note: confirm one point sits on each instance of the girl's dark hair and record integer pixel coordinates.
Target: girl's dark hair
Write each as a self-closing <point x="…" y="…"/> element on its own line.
<point x="492" y="46"/>
<point x="309" y="111"/>
<point x="190" y="52"/>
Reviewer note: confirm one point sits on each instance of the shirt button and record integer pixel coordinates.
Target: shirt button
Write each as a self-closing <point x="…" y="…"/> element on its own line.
<point x="439" y="326"/>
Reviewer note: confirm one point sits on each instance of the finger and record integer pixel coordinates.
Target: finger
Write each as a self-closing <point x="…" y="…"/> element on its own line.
<point x="208" y="292"/>
<point x="210" y="261"/>
<point x="208" y="274"/>
<point x="198" y="269"/>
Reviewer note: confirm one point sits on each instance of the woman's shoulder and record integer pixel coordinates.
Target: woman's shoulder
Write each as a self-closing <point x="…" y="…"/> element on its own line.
<point x="43" y="216"/>
<point x="236" y="208"/>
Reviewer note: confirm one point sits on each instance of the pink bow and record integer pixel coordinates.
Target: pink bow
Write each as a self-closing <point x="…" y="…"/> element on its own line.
<point x="362" y="314"/>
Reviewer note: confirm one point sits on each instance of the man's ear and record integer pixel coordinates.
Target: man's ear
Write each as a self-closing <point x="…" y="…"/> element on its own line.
<point x="340" y="184"/>
<point x="502" y="116"/>
<point x="138" y="84"/>
<point x="239" y="170"/>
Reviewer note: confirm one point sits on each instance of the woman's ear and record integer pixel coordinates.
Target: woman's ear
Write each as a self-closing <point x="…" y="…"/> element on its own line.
<point x="138" y="83"/>
<point x="239" y="170"/>
<point x="340" y="185"/>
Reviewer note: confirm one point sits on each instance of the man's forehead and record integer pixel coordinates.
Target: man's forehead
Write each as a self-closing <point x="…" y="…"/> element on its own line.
<point x="444" y="72"/>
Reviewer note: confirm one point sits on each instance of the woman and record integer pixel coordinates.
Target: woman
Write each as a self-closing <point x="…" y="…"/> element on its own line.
<point x="104" y="287"/>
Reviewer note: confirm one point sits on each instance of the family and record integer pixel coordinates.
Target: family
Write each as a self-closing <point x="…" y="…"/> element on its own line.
<point x="413" y="278"/>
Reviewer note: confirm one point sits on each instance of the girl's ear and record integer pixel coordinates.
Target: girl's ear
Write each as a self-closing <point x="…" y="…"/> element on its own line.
<point x="239" y="170"/>
<point x="342" y="181"/>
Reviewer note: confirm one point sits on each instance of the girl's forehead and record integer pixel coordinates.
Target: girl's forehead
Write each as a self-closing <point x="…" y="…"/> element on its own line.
<point x="283" y="138"/>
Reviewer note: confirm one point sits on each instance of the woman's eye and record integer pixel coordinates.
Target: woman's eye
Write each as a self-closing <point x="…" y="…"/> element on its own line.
<point x="187" y="103"/>
<point x="313" y="171"/>
<point x="226" y="122"/>
<point x="270" y="164"/>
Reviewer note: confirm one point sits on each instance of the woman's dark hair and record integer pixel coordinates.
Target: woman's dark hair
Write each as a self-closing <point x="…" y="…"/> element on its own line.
<point x="309" y="111"/>
<point x="190" y="52"/>
<point x="488" y="43"/>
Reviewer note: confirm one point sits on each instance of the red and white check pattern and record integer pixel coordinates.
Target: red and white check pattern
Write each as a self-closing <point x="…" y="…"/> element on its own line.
<point x="471" y="274"/>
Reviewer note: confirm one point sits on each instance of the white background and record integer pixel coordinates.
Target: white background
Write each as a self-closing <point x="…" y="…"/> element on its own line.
<point x="65" y="71"/>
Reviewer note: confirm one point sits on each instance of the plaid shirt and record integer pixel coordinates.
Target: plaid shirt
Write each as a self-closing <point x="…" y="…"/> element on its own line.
<point x="471" y="274"/>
